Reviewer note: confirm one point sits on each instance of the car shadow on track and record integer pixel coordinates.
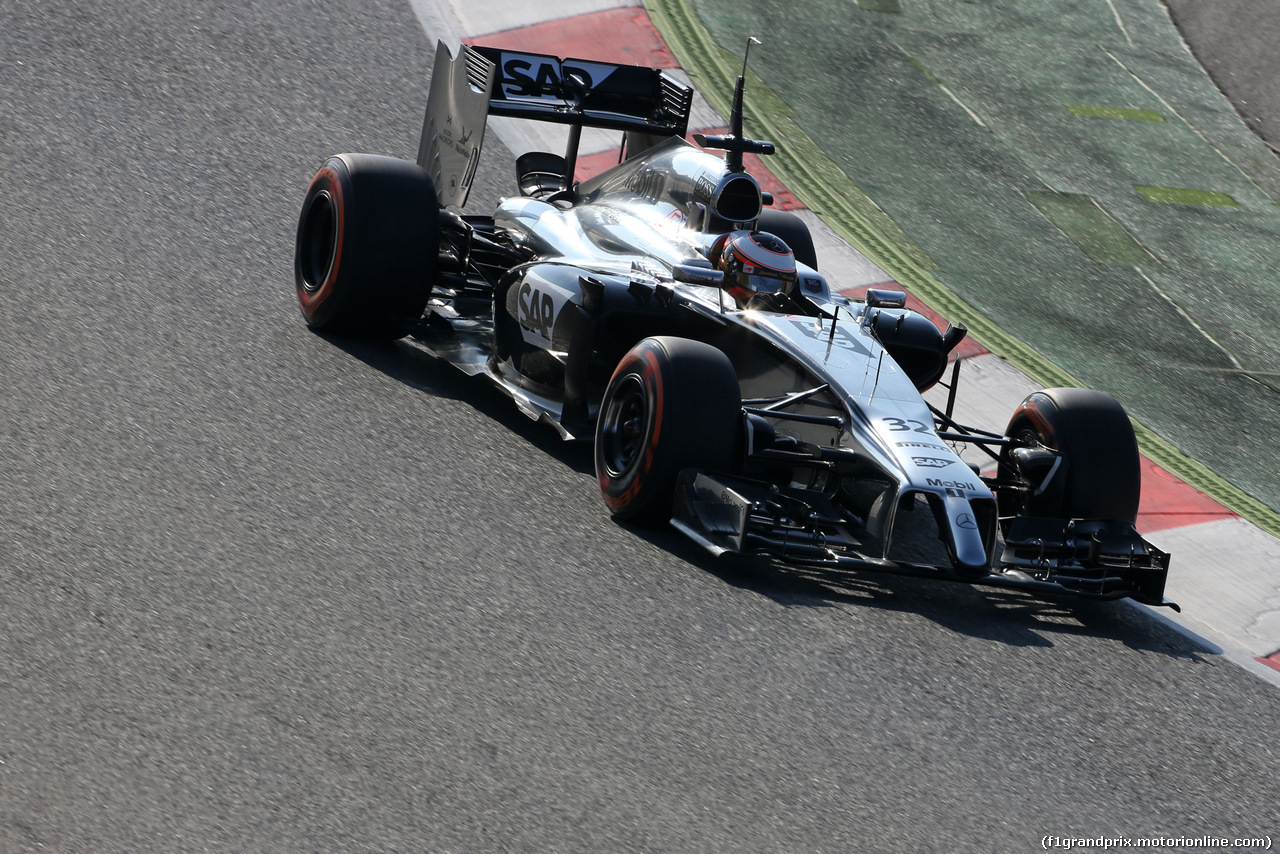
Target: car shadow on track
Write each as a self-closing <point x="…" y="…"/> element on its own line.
<point x="418" y="369"/>
<point x="1010" y="617"/>
<point x="406" y="363"/>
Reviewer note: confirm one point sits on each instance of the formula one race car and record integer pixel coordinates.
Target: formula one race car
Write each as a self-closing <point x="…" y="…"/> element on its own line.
<point x="661" y="309"/>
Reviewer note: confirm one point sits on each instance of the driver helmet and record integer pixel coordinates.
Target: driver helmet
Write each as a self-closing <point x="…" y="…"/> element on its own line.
<point x="754" y="262"/>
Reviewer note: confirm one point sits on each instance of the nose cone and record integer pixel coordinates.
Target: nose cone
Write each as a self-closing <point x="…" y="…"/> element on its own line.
<point x="967" y="536"/>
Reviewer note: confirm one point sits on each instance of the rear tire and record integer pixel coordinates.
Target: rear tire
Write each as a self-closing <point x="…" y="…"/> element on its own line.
<point x="367" y="247"/>
<point x="1099" y="473"/>
<point x="672" y="404"/>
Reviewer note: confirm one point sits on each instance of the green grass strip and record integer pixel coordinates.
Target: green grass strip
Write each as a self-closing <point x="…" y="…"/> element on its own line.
<point x="1180" y="196"/>
<point x="1092" y="111"/>
<point x="825" y="189"/>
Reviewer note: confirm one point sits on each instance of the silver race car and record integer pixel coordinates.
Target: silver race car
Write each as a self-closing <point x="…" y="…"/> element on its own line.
<point x="663" y="310"/>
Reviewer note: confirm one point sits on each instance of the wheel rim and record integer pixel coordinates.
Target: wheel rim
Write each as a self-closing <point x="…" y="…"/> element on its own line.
<point x="1025" y="438"/>
<point x="1021" y="501"/>
<point x="318" y="241"/>
<point x="624" y="425"/>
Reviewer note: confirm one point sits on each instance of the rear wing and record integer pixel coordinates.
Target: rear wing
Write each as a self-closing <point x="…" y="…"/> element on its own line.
<point x="485" y="81"/>
<point x="587" y="93"/>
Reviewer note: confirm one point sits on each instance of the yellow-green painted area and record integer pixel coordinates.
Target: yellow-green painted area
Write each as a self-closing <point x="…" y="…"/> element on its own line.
<point x="1185" y="196"/>
<point x="1099" y="112"/>
<point x="1095" y="232"/>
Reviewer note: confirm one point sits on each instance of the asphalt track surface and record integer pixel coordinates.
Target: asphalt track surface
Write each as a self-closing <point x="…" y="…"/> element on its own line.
<point x="1235" y="42"/>
<point x="265" y="591"/>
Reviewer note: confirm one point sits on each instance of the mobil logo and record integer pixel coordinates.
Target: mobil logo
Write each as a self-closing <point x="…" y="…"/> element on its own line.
<point x="952" y="484"/>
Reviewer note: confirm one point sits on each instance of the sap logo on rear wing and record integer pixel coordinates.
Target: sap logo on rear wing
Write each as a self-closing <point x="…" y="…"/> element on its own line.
<point x="541" y="79"/>
<point x="578" y="91"/>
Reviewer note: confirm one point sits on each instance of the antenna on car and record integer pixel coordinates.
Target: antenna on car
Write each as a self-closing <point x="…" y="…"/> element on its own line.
<point x="750" y="41"/>
<point x="734" y="158"/>
<point x="734" y="144"/>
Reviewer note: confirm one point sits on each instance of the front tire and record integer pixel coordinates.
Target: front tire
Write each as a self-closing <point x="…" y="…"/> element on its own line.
<point x="367" y="246"/>
<point x="672" y="404"/>
<point x="1076" y="452"/>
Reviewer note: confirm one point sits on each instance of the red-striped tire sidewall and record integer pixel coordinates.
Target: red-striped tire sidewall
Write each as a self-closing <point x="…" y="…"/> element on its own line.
<point x="326" y="180"/>
<point x="693" y="411"/>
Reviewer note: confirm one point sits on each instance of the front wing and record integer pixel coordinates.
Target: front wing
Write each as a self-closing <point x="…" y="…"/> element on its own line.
<point x="1096" y="559"/>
